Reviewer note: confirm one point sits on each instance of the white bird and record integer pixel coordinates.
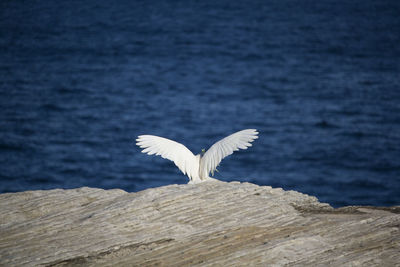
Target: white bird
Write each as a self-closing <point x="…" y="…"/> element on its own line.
<point x="198" y="167"/>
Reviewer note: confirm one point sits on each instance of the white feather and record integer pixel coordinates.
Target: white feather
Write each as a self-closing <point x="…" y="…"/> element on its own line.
<point x="174" y="151"/>
<point x="224" y="148"/>
<point x="197" y="168"/>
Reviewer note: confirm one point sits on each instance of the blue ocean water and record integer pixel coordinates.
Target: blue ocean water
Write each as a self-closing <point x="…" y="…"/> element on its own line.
<point x="320" y="80"/>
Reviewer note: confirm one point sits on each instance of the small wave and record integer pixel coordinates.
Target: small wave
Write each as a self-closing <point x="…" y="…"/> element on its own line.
<point x="325" y="124"/>
<point x="52" y="107"/>
<point x="66" y="91"/>
<point x="11" y="147"/>
<point x="360" y="184"/>
<point x="368" y="82"/>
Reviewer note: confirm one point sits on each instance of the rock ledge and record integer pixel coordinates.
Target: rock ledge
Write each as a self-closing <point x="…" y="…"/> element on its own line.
<point x="208" y="224"/>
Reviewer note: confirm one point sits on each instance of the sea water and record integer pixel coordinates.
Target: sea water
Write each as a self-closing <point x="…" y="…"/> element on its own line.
<point x="320" y="80"/>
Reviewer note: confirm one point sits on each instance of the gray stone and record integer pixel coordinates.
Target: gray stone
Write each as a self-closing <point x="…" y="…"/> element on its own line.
<point x="208" y="224"/>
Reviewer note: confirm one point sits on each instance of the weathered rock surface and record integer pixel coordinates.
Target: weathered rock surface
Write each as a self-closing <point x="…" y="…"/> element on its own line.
<point x="208" y="224"/>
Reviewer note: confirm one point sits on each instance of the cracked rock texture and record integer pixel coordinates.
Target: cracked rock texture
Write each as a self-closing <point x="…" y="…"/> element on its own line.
<point x="208" y="224"/>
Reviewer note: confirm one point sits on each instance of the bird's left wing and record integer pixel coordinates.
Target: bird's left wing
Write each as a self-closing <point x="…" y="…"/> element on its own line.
<point x="225" y="147"/>
<point x="174" y="151"/>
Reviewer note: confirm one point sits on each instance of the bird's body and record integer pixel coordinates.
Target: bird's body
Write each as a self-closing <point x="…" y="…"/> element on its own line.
<point x="196" y="167"/>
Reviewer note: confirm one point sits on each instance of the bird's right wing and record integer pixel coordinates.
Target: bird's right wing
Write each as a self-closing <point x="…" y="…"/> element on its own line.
<point x="174" y="151"/>
<point x="225" y="147"/>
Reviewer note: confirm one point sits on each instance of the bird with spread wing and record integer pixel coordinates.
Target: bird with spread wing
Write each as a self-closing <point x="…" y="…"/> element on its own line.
<point x="196" y="167"/>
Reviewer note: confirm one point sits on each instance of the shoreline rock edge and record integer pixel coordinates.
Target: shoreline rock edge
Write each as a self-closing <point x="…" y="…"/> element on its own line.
<point x="207" y="224"/>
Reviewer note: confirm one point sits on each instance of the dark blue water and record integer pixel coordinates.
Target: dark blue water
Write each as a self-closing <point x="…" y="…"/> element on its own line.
<point x="320" y="80"/>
